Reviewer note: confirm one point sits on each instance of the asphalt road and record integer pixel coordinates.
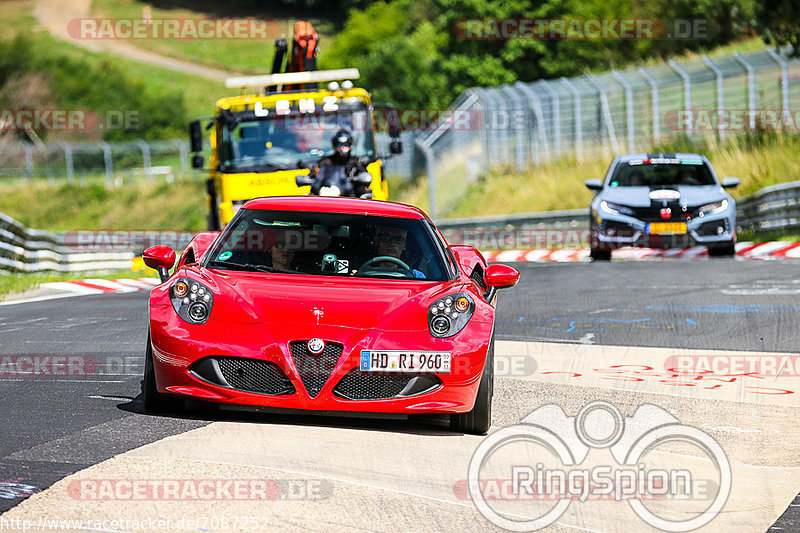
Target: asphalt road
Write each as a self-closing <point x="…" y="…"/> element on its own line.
<point x="60" y="424"/>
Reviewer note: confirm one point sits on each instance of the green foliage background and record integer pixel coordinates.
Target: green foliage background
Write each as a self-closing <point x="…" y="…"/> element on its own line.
<point x="409" y="54"/>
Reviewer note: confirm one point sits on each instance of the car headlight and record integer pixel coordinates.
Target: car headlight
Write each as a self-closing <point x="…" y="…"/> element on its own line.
<point x="448" y="315"/>
<point x="616" y="209"/>
<point x="712" y="208"/>
<point x="191" y="300"/>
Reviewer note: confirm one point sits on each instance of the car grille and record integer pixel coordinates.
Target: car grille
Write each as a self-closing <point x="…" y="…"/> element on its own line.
<point x="253" y="375"/>
<point x="653" y="213"/>
<point x="477" y="277"/>
<point x="315" y="370"/>
<point x="358" y="385"/>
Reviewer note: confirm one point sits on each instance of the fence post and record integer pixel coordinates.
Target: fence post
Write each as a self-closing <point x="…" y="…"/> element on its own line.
<point x="556" y="104"/>
<point x="145" y="148"/>
<point x="578" y="125"/>
<point x="519" y="145"/>
<point x="687" y="83"/>
<point x="109" y="163"/>
<point x="68" y="160"/>
<point x="535" y="104"/>
<point x="720" y="93"/>
<point x="751" y="87"/>
<point x="28" y="160"/>
<point x="784" y="78"/>
<point x="428" y="153"/>
<point x="605" y="112"/>
<point x="655" y="102"/>
<point x="184" y="154"/>
<point x="631" y="124"/>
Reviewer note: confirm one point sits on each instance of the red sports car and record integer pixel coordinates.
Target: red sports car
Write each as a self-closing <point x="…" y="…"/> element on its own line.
<point x="326" y="304"/>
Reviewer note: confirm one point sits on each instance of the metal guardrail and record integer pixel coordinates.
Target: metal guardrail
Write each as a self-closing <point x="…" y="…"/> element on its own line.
<point x="27" y="250"/>
<point x="774" y="208"/>
<point x="571" y="218"/>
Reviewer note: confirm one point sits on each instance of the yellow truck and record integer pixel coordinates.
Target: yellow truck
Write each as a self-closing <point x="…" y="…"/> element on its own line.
<point x="279" y="127"/>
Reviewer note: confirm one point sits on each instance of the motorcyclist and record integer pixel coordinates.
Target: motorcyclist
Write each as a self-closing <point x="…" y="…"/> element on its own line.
<point x="342" y="171"/>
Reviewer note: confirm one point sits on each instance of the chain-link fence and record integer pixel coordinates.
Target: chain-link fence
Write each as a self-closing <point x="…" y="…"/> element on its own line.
<point x="525" y="124"/>
<point x="98" y="162"/>
<point x="119" y="163"/>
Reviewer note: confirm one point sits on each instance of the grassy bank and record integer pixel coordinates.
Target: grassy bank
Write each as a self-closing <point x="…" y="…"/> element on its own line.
<point x="199" y="94"/>
<point x="178" y="206"/>
<point x="249" y="56"/>
<point x="758" y="160"/>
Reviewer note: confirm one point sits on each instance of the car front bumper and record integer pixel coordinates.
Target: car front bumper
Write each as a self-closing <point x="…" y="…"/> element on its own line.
<point x="178" y="349"/>
<point x="609" y="232"/>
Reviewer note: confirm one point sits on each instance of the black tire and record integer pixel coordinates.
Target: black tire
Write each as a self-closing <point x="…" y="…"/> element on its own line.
<point x="152" y="400"/>
<point x="479" y="419"/>
<point x="600" y="255"/>
<point x="726" y="250"/>
<point x="212" y="219"/>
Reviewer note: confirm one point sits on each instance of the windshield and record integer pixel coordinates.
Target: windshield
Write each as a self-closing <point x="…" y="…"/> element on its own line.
<point x="280" y="141"/>
<point x="661" y="172"/>
<point x="329" y="244"/>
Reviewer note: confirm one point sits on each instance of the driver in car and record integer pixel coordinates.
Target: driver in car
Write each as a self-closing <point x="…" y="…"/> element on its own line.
<point x="391" y="242"/>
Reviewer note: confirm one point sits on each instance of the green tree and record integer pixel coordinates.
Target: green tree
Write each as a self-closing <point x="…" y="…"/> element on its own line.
<point x="780" y="23"/>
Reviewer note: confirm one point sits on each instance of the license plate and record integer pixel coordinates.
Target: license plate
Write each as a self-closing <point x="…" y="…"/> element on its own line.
<point x="404" y="361"/>
<point x="657" y="228"/>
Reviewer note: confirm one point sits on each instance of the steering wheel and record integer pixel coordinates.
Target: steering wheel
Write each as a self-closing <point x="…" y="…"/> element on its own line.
<point x="403" y="269"/>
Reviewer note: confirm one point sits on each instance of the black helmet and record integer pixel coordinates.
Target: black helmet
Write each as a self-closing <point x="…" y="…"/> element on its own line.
<point x="341" y="140"/>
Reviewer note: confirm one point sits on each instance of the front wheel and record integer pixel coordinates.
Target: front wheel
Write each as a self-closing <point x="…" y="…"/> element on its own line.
<point x="600" y="255"/>
<point x="154" y="401"/>
<point x="724" y="250"/>
<point x="479" y="419"/>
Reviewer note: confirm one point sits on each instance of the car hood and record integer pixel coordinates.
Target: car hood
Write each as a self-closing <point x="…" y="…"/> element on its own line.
<point x="640" y="196"/>
<point x="300" y="300"/>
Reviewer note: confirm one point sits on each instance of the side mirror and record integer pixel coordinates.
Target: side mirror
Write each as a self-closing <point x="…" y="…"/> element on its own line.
<point x="195" y="136"/>
<point x="593" y="185"/>
<point x="160" y="258"/>
<point x="730" y="183"/>
<point x="396" y="148"/>
<point x="197" y="161"/>
<point x="499" y="277"/>
<point x="303" y="180"/>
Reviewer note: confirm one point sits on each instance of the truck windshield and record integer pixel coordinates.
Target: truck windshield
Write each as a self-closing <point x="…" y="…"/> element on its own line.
<point x="275" y="142"/>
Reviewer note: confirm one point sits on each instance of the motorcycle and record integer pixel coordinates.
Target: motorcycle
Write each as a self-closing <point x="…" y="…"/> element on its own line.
<point x="333" y="181"/>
